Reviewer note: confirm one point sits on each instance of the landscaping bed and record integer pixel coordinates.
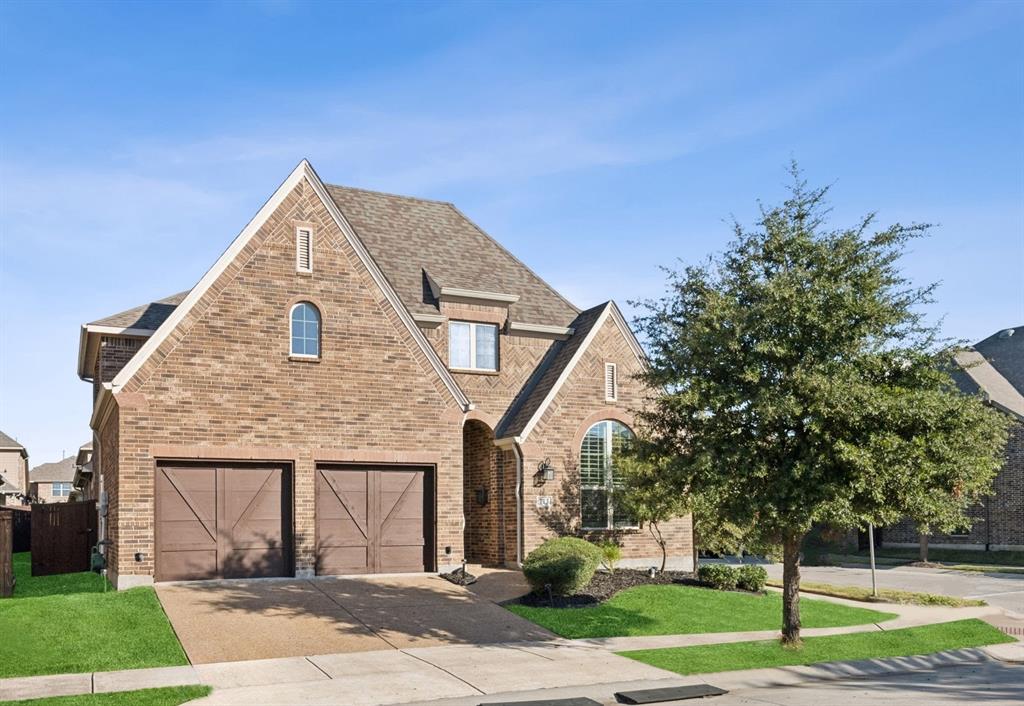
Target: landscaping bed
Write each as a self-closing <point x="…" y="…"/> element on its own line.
<point x="604" y="585"/>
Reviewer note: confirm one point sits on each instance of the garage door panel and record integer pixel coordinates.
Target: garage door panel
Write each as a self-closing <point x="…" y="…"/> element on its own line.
<point x="230" y="521"/>
<point x="370" y="519"/>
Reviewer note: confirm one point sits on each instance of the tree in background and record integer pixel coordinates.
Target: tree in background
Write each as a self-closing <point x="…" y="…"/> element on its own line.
<point x="802" y="385"/>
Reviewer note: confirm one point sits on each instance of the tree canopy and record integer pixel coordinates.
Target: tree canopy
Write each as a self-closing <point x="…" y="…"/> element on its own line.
<point x="802" y="384"/>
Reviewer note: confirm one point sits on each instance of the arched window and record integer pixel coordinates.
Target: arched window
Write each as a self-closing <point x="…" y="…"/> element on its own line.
<point x="305" y="330"/>
<point x="601" y="444"/>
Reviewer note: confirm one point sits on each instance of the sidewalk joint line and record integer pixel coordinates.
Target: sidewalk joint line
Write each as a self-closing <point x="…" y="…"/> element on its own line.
<point x="318" y="667"/>
<point x="451" y="674"/>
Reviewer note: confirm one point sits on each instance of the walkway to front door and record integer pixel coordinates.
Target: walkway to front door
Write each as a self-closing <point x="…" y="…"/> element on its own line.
<point x="220" y="621"/>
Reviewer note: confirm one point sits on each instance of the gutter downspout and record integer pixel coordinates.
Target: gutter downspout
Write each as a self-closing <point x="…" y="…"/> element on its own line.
<point x="519" y="503"/>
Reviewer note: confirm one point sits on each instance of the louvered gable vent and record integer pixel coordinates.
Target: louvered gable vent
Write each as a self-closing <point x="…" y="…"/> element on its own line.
<point x="304" y="250"/>
<point x="611" y="382"/>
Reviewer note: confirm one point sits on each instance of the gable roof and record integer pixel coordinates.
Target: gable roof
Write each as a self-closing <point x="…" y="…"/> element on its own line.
<point x="62" y="471"/>
<point x="415" y="239"/>
<point x="556" y="367"/>
<point x="10" y="443"/>
<point x="145" y="317"/>
<point x="995" y="368"/>
<point x="302" y="172"/>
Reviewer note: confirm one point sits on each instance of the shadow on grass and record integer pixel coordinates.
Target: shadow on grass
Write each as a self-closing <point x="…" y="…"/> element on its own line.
<point x="29" y="586"/>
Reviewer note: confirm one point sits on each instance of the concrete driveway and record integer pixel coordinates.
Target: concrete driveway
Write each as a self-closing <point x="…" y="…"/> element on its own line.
<point x="1000" y="590"/>
<point x="232" y="620"/>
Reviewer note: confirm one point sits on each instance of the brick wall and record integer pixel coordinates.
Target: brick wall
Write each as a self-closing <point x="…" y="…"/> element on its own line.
<point x="222" y="386"/>
<point x="481" y="472"/>
<point x="579" y="404"/>
<point x="998" y="521"/>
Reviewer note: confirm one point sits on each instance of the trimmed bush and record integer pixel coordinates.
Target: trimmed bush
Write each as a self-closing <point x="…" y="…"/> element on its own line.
<point x="566" y="564"/>
<point x="751" y="577"/>
<point x="720" y="576"/>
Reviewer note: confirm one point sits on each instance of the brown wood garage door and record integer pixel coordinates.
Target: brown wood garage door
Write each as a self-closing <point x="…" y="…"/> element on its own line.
<point x="373" y="519"/>
<point x="222" y="521"/>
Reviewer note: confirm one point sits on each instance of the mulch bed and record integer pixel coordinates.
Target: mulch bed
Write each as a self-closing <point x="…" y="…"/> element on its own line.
<point x="604" y="585"/>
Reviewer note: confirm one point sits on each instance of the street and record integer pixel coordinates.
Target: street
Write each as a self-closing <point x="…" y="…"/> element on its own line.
<point x="1000" y="590"/>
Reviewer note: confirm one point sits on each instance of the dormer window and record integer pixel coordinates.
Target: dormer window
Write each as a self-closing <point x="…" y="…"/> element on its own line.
<point x="303" y="250"/>
<point x="472" y="346"/>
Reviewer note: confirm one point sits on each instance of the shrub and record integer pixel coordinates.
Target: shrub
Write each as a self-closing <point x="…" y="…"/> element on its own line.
<point x="751" y="577"/>
<point x="611" y="553"/>
<point x="566" y="564"/>
<point x="720" y="576"/>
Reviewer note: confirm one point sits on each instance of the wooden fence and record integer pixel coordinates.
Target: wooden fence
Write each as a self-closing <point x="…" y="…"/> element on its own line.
<point x="6" y="554"/>
<point x="63" y="535"/>
<point x="22" y="517"/>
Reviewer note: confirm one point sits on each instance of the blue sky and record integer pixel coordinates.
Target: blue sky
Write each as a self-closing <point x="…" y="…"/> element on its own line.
<point x="595" y="140"/>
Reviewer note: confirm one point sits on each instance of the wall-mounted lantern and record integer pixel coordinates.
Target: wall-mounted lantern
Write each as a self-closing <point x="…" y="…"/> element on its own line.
<point x="545" y="471"/>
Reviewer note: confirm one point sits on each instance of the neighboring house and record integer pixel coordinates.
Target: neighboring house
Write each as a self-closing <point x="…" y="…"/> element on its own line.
<point x="361" y="383"/>
<point x="52" y="482"/>
<point x="82" y="483"/>
<point x="993" y="368"/>
<point x="13" y="472"/>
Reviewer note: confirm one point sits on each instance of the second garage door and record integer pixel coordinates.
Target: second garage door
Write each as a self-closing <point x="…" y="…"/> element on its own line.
<point x="222" y="520"/>
<point x="373" y="519"/>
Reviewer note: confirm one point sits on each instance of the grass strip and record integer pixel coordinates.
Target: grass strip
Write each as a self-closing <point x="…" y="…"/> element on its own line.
<point x="167" y="696"/>
<point x="885" y="595"/>
<point x="954" y="556"/>
<point x="68" y="623"/>
<point x="703" y="659"/>
<point x="677" y="609"/>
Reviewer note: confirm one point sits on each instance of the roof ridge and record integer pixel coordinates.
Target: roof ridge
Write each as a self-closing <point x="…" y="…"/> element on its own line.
<point x="390" y="194"/>
<point x="513" y="256"/>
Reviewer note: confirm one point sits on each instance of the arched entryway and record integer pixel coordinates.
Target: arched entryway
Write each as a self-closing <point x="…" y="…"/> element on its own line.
<point x="482" y="494"/>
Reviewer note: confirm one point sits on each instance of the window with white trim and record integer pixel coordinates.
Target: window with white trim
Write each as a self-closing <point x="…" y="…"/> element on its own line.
<point x="60" y="490"/>
<point x="611" y="382"/>
<point x="602" y="443"/>
<point x="303" y="249"/>
<point x="305" y="330"/>
<point x="472" y="346"/>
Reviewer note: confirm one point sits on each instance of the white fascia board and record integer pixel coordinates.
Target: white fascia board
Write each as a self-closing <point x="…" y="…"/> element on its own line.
<point x="119" y="330"/>
<point x="389" y="292"/>
<point x="83" y="341"/>
<point x="103" y="401"/>
<point x="207" y="280"/>
<point x="553" y="392"/>
<point x="459" y="293"/>
<point x="558" y="332"/>
<point x="434" y="319"/>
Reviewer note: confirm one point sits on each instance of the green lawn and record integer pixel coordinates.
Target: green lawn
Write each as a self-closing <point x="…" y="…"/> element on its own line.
<point x="670" y="610"/>
<point x="704" y="659"/>
<point x="885" y="595"/>
<point x="169" y="696"/>
<point x="59" y="624"/>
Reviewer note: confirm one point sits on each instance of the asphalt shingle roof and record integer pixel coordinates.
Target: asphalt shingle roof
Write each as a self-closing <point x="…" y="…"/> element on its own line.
<point x="145" y="316"/>
<point x="59" y="471"/>
<point x="6" y="442"/>
<point x="410" y="238"/>
<point x="544" y="377"/>
<point x="1005" y="352"/>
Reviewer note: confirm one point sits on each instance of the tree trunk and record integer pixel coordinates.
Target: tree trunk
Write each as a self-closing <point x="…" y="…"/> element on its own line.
<point x="924" y="547"/>
<point x="791" y="544"/>
<point x="696" y="546"/>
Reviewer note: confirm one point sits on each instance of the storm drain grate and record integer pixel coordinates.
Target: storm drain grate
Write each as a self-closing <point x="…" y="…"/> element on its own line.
<point x="672" y="693"/>
<point x="1012" y="629"/>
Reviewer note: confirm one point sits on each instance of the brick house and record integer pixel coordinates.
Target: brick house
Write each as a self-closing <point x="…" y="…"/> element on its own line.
<point x="362" y="383"/>
<point x="52" y="482"/>
<point x="14" y="485"/>
<point x="993" y="368"/>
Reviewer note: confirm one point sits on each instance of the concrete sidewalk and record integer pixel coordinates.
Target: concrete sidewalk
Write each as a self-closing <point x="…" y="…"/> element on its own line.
<point x="430" y="673"/>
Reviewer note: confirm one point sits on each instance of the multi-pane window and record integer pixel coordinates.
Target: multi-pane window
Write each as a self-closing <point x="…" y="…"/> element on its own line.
<point x="61" y="490"/>
<point x="305" y="330"/>
<point x="472" y="346"/>
<point x="602" y="444"/>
